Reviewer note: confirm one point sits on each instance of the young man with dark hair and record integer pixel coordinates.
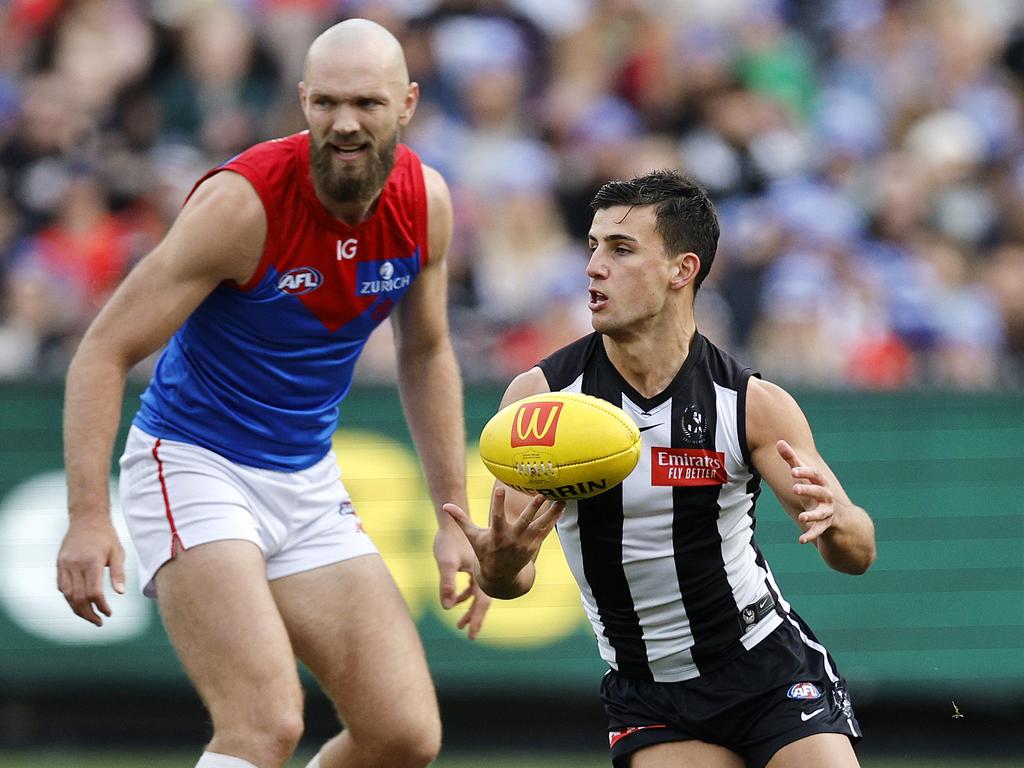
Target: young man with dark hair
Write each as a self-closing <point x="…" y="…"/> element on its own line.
<point x="709" y="664"/>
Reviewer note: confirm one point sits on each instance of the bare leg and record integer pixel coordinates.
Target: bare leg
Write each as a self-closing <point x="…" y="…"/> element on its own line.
<point x="686" y="754"/>
<point x="831" y="749"/>
<point x="224" y="624"/>
<point x="349" y="624"/>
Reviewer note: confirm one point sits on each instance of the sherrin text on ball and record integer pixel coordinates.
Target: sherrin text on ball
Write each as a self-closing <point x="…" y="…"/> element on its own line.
<point x="560" y="444"/>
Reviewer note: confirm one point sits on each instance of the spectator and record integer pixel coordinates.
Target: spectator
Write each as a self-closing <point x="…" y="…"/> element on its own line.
<point x="879" y="145"/>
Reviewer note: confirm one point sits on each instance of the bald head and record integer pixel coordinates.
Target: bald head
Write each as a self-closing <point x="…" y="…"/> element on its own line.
<point x="363" y="40"/>
<point x="356" y="97"/>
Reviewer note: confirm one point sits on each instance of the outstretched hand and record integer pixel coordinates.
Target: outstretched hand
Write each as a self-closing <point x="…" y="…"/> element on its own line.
<point x="814" y="492"/>
<point x="503" y="549"/>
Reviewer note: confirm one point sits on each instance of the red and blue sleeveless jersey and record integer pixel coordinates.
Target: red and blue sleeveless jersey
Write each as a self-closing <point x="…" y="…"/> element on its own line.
<point x="258" y="371"/>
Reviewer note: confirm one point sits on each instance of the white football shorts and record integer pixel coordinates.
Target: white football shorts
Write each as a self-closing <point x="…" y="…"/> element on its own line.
<point x="172" y="491"/>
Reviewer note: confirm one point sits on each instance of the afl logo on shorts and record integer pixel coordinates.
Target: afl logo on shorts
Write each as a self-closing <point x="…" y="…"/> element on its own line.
<point x="806" y="691"/>
<point x="299" y="281"/>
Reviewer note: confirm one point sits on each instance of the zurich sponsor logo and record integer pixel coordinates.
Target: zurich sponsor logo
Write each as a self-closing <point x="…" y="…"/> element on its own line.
<point x="299" y="281"/>
<point x="384" y="277"/>
<point x="804" y="691"/>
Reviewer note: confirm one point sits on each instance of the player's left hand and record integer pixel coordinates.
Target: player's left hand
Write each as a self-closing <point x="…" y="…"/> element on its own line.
<point x="812" y="489"/>
<point x="454" y="555"/>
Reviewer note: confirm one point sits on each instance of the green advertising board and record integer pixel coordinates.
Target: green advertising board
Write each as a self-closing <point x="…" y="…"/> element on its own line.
<point x="940" y="614"/>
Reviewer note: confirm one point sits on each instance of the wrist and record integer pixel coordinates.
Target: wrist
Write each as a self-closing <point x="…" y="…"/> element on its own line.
<point x="503" y="583"/>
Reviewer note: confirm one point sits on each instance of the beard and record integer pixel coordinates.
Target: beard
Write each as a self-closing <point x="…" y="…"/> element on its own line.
<point x="350" y="185"/>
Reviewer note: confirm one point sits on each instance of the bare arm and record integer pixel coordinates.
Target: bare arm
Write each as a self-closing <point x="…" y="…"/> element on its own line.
<point x="218" y="236"/>
<point x="783" y="451"/>
<point x="430" y="386"/>
<point x="507" y="550"/>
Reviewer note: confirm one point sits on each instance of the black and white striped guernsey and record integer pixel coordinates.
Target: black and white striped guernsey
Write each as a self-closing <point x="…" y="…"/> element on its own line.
<point x="668" y="569"/>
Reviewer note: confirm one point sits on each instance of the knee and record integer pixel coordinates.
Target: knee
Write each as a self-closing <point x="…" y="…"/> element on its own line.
<point x="268" y="739"/>
<point x="281" y="735"/>
<point x="414" y="744"/>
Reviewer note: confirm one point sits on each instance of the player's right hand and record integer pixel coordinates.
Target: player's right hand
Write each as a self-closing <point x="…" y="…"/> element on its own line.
<point x="88" y="548"/>
<point x="505" y="548"/>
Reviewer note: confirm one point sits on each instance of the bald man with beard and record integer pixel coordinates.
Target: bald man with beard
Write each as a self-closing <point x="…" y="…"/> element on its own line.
<point x="280" y="264"/>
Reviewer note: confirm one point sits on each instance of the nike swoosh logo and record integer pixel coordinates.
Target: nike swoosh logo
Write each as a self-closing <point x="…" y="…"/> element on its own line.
<point x="652" y="426"/>
<point x="805" y="716"/>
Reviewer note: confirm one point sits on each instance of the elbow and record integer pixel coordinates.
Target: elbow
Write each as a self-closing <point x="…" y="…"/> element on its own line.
<point x="95" y="352"/>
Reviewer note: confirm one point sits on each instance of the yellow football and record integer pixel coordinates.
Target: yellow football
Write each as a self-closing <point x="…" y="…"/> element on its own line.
<point x="561" y="444"/>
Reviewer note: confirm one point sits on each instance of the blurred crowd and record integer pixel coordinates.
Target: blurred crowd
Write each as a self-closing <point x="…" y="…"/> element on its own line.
<point x="866" y="158"/>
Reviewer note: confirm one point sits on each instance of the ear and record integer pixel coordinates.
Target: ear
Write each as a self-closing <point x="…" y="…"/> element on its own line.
<point x="302" y="95"/>
<point x="412" y="98"/>
<point x="687" y="267"/>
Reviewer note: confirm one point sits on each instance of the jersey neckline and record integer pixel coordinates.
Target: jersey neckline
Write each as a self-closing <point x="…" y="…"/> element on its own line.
<point x="308" y="191"/>
<point x="694" y="355"/>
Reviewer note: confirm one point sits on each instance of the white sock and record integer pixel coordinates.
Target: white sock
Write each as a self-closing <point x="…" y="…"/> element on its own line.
<point x="315" y="762"/>
<point x="214" y="760"/>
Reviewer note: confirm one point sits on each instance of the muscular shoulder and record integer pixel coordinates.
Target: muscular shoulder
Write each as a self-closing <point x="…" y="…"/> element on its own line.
<point x="224" y="225"/>
<point x="770" y="409"/>
<point x="531" y="382"/>
<point x="439" y="212"/>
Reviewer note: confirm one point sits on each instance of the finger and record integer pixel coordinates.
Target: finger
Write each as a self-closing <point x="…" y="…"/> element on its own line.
<point x="117" y="569"/>
<point x="528" y="514"/>
<point x="64" y="583"/>
<point x="464" y="594"/>
<point x="477" y="611"/>
<point x="463" y="520"/>
<point x="497" y="513"/>
<point x="818" y="493"/>
<point x="811" y="474"/>
<point x="79" y="604"/>
<point x="548" y="517"/>
<point x="446" y="575"/>
<point x="94" y="589"/>
<point x="813" y="532"/>
<point x="787" y="453"/>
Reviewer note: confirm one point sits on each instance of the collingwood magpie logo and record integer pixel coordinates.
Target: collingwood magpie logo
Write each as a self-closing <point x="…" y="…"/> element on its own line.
<point x="694" y="427"/>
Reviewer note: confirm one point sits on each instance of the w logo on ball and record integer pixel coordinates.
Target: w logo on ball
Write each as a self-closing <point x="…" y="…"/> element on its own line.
<point x="535" y="424"/>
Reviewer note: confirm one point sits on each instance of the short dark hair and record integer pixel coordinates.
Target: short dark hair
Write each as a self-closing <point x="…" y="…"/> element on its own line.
<point x="684" y="214"/>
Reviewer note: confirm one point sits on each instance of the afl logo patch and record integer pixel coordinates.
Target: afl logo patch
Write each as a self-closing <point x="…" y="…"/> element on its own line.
<point x="806" y="691"/>
<point x="299" y="281"/>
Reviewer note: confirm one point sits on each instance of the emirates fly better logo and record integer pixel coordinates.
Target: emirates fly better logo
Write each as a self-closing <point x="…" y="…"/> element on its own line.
<point x="535" y="424"/>
<point x="687" y="466"/>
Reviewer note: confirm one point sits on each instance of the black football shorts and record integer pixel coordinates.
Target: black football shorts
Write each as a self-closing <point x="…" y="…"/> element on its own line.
<point x="784" y="689"/>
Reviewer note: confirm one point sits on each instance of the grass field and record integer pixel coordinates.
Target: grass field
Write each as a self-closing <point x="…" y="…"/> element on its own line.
<point x="39" y="759"/>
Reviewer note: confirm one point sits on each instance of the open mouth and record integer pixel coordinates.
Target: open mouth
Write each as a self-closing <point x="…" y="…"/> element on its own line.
<point x="597" y="300"/>
<point x="349" y="151"/>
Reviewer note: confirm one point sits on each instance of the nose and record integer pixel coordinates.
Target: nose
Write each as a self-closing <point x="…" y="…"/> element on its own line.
<point x="346" y="120"/>
<point x="596" y="267"/>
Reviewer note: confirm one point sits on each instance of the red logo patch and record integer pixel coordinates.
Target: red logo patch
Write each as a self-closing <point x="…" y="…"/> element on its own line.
<point x="687" y="466"/>
<point x="535" y="424"/>
<point x="615" y="736"/>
